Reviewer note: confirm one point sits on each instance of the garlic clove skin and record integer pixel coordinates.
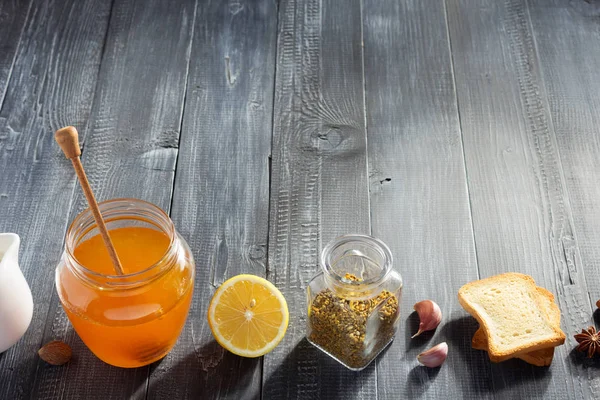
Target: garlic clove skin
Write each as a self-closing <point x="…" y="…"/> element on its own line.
<point x="430" y="316"/>
<point x="435" y="356"/>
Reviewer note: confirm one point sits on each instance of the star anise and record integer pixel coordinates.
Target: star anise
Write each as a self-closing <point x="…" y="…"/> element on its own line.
<point x="589" y="341"/>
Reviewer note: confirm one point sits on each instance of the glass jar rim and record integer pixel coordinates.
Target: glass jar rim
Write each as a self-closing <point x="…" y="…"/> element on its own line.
<point x="337" y="279"/>
<point x="84" y="222"/>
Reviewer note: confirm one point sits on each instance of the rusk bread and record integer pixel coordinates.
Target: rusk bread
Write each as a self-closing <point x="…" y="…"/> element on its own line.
<point x="540" y="358"/>
<point x="515" y="316"/>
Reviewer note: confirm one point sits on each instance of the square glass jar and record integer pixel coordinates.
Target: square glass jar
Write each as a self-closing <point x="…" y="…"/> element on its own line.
<point x="354" y="302"/>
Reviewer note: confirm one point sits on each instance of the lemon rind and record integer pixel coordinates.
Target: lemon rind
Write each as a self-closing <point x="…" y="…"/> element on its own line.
<point x="225" y="343"/>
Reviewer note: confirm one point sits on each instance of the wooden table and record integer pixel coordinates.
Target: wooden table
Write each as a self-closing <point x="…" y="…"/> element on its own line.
<point x="463" y="133"/>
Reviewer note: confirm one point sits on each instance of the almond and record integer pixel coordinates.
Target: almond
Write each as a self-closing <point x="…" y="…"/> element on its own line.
<point x="55" y="352"/>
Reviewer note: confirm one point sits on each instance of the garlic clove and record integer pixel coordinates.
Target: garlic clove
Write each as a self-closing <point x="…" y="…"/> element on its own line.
<point x="435" y="356"/>
<point x="430" y="316"/>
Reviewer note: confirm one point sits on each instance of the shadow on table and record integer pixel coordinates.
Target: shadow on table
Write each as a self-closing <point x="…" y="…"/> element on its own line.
<point x="420" y="377"/>
<point x="307" y="372"/>
<point x="479" y="372"/>
<point x="208" y="373"/>
<point x="470" y="367"/>
<point x="411" y="328"/>
<point x="579" y="358"/>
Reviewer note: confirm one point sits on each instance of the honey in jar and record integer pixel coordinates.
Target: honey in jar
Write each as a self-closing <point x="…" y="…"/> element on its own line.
<point x="132" y="319"/>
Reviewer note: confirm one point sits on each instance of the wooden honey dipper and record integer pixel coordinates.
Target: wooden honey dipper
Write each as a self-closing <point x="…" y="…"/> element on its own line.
<point x="68" y="140"/>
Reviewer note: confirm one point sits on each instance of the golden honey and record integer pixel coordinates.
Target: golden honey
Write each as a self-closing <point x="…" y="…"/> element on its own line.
<point x="133" y="319"/>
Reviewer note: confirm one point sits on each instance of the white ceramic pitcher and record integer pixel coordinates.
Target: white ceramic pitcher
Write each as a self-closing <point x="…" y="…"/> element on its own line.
<point x="16" y="303"/>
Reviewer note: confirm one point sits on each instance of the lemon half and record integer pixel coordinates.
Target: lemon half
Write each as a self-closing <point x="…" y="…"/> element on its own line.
<point x="248" y="315"/>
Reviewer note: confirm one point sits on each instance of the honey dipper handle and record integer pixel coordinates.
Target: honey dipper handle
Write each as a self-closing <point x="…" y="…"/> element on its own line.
<point x="68" y="140"/>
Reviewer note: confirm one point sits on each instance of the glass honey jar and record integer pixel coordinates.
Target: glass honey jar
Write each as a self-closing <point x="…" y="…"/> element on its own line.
<point x="133" y="319"/>
<point x="354" y="302"/>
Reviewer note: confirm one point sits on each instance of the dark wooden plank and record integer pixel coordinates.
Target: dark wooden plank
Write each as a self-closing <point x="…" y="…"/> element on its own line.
<point x="51" y="85"/>
<point x="567" y="40"/>
<point x="319" y="186"/>
<point x="521" y="213"/>
<point x="221" y="197"/>
<point x="130" y="151"/>
<point x="12" y="20"/>
<point x="419" y="196"/>
<point x="568" y="43"/>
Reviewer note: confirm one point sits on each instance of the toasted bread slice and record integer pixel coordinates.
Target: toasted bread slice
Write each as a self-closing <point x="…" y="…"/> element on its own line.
<point x="513" y="314"/>
<point x="540" y="358"/>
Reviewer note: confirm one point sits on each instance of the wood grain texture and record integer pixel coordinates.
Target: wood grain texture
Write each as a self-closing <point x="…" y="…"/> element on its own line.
<point x="521" y="213"/>
<point x="51" y="85"/>
<point x="419" y="197"/>
<point x="221" y="197"/>
<point x="567" y="37"/>
<point x="130" y="150"/>
<point x="319" y="185"/>
<point x="12" y="20"/>
<point x="488" y="107"/>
